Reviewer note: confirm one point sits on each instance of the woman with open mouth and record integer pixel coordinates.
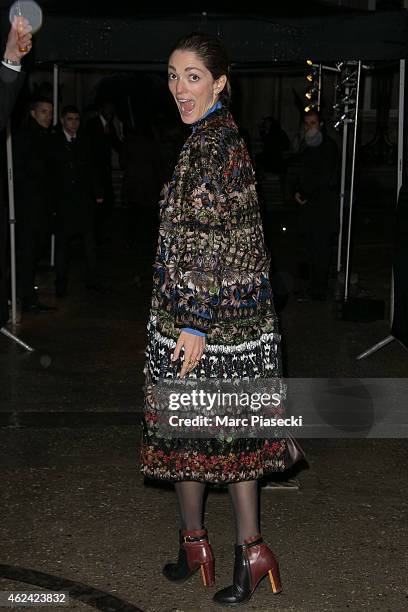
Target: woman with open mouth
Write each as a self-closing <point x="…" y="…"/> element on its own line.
<point x="212" y="318"/>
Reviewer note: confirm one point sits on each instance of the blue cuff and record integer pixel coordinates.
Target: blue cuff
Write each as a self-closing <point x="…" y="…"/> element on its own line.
<point x="195" y="332"/>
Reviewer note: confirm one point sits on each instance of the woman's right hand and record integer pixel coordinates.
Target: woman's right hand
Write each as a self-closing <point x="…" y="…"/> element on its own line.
<point x="193" y="351"/>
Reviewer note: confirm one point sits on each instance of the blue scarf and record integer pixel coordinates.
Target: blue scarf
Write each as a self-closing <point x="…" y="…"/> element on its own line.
<point x="213" y="108"/>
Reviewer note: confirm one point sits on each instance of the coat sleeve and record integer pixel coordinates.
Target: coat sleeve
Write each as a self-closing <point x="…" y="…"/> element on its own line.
<point x="200" y="236"/>
<point x="10" y="83"/>
<point x="219" y="262"/>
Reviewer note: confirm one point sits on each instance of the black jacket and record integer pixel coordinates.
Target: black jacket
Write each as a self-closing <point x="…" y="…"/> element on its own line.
<point x="75" y="182"/>
<point x="317" y="182"/>
<point x="101" y="147"/>
<point x="10" y="83"/>
<point x="32" y="171"/>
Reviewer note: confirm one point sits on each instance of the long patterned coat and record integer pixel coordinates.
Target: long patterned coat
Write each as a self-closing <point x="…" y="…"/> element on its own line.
<point x="211" y="274"/>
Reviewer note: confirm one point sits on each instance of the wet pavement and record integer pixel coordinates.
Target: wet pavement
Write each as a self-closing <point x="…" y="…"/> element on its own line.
<point x="76" y="514"/>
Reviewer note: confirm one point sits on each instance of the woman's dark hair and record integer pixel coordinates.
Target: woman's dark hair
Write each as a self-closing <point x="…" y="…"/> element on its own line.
<point x="212" y="53"/>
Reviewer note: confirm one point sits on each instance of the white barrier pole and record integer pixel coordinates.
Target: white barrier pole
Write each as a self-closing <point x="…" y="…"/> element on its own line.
<point x="12" y="222"/>
<point x="55" y="121"/>
<point x="353" y="165"/>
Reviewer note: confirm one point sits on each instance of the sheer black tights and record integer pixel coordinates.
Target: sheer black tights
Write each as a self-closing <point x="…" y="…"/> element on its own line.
<point x="190" y="497"/>
<point x="245" y="506"/>
<point x="244" y="500"/>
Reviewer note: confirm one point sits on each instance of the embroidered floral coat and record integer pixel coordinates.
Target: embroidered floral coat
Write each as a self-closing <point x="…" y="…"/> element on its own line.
<point x="211" y="273"/>
<point x="211" y="268"/>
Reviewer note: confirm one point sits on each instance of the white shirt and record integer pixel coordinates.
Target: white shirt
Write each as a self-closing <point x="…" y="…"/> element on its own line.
<point x="68" y="136"/>
<point x="15" y="68"/>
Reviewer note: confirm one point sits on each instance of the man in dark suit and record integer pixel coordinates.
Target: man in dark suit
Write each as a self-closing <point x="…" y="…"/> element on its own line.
<point x="11" y="80"/>
<point x="76" y="189"/>
<point x="103" y="137"/>
<point x="32" y="158"/>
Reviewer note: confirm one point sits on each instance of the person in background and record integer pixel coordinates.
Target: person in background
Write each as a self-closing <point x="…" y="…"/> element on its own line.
<point x="32" y="164"/>
<point x="11" y="80"/>
<point x="75" y="188"/>
<point x="316" y="193"/>
<point x="103" y="138"/>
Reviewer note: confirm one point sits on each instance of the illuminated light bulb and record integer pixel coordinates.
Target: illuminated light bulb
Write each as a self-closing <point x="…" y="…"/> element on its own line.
<point x="310" y="77"/>
<point x="309" y="62"/>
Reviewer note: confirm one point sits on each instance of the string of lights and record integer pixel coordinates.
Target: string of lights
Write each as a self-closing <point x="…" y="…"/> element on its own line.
<point x="314" y="86"/>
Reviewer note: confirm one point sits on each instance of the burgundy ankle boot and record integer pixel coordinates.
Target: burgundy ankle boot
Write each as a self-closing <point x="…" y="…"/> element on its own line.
<point x="195" y="552"/>
<point x="253" y="561"/>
